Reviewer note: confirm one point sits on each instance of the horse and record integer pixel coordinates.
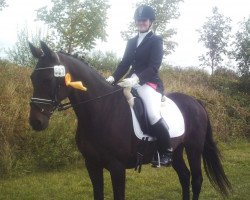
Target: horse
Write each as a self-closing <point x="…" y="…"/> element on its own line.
<point x="105" y="135"/>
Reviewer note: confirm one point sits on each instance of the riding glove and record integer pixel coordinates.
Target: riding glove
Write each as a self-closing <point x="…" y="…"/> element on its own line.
<point x="110" y="79"/>
<point x="129" y="82"/>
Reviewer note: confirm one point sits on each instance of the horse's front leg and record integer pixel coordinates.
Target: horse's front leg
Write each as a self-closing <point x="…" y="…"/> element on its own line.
<point x="96" y="176"/>
<point x="117" y="172"/>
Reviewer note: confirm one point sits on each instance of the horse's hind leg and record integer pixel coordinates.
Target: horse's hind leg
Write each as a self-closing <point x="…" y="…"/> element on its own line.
<point x="182" y="171"/>
<point x="96" y="176"/>
<point x="194" y="159"/>
<point x="117" y="172"/>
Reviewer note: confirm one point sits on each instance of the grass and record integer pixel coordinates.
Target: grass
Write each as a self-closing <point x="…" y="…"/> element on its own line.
<point x="150" y="184"/>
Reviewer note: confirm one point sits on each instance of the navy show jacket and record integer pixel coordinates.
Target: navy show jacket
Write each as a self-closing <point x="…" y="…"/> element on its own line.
<point x="145" y="60"/>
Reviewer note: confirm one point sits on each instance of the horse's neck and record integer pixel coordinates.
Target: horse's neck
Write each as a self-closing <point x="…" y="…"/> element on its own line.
<point x="81" y="71"/>
<point x="96" y="87"/>
<point x="106" y="117"/>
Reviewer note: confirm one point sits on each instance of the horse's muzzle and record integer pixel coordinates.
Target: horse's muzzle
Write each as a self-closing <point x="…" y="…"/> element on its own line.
<point x="38" y="125"/>
<point x="38" y="121"/>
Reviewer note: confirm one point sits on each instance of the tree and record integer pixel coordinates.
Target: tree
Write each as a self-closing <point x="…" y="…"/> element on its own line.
<point x="103" y="61"/>
<point x="215" y="34"/>
<point x="76" y="23"/>
<point x="20" y="52"/>
<point x="2" y="4"/>
<point x="241" y="50"/>
<point x="165" y="10"/>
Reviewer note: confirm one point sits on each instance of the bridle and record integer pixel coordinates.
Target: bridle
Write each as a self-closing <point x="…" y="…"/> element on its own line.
<point x="55" y="103"/>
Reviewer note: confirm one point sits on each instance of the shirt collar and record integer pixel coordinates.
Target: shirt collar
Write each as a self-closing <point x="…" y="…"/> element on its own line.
<point x="142" y="35"/>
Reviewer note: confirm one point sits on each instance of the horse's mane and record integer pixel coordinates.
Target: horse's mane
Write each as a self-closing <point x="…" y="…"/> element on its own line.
<point x="78" y="57"/>
<point x="82" y="60"/>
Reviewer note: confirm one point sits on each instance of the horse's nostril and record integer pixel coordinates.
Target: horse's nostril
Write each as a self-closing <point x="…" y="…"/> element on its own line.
<point x="36" y="124"/>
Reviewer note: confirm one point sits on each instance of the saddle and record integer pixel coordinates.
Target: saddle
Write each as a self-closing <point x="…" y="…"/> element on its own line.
<point x="140" y="112"/>
<point x="169" y="112"/>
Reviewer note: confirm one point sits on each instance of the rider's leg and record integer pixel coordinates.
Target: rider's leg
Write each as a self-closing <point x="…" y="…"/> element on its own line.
<point x="160" y="130"/>
<point x="152" y="101"/>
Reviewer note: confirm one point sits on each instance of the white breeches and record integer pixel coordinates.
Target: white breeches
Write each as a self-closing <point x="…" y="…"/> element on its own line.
<point x="152" y="101"/>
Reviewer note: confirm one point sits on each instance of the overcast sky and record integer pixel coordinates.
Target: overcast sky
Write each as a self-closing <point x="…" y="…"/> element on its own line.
<point x="193" y="15"/>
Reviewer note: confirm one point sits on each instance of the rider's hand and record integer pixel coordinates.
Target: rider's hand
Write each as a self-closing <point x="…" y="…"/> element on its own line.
<point x="129" y="82"/>
<point x="110" y="79"/>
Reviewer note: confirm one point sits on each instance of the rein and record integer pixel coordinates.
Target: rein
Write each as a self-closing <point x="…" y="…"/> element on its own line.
<point x="64" y="106"/>
<point x="54" y="101"/>
<point x="68" y="105"/>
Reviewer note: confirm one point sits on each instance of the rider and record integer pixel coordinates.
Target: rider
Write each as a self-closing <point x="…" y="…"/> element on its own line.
<point x="144" y="53"/>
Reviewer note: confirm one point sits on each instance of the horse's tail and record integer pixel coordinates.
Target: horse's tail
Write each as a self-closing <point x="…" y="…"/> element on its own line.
<point x="212" y="162"/>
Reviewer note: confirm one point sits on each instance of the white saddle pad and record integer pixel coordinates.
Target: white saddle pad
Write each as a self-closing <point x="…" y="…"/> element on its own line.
<point x="171" y="114"/>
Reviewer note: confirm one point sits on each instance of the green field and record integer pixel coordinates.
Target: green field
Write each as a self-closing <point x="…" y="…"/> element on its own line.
<point x="151" y="184"/>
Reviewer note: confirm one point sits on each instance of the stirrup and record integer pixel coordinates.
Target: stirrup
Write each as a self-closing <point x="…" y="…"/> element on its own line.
<point x="156" y="162"/>
<point x="168" y="156"/>
<point x="168" y="161"/>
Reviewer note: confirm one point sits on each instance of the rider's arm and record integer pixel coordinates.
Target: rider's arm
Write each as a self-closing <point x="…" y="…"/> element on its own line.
<point x="125" y="63"/>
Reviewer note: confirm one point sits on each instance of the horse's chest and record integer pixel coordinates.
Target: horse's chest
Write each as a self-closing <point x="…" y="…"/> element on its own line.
<point x="90" y="146"/>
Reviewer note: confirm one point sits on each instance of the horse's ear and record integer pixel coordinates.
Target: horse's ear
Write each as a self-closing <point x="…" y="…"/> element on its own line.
<point x="36" y="52"/>
<point x="47" y="51"/>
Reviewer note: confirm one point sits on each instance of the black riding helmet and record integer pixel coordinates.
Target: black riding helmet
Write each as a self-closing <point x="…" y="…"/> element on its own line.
<point x="144" y="12"/>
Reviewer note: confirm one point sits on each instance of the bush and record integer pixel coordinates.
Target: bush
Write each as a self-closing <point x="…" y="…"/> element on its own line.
<point x="227" y="106"/>
<point x="21" y="149"/>
<point x="244" y="84"/>
<point x="55" y="148"/>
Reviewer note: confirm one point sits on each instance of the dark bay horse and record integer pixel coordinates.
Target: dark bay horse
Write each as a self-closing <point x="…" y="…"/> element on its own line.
<point x="105" y="135"/>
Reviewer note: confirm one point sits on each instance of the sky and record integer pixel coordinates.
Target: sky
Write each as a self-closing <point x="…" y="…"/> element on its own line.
<point x="193" y="14"/>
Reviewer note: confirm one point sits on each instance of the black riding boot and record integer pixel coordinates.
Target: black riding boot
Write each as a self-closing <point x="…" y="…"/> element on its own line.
<point x="160" y="131"/>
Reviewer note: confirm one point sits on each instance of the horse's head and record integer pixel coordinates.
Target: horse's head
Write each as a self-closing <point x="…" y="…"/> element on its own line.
<point x="48" y="80"/>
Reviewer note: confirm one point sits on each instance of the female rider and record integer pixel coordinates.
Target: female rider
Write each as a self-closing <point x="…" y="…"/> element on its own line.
<point x="144" y="53"/>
